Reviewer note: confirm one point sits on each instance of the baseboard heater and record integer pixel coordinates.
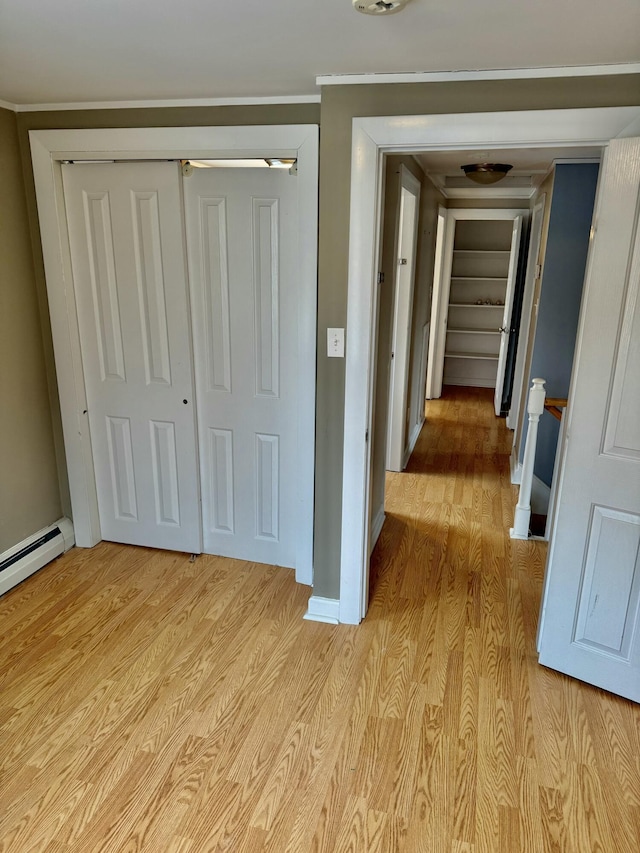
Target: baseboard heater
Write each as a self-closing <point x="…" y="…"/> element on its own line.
<point x="34" y="552"/>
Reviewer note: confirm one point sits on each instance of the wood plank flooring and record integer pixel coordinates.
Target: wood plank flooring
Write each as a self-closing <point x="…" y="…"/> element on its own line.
<point x="152" y="704"/>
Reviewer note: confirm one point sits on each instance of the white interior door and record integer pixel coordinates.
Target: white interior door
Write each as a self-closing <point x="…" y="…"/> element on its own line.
<point x="506" y="317"/>
<point x="129" y="269"/>
<point x="407" y="233"/>
<point x="242" y="227"/>
<point x="531" y="276"/>
<point x="591" y="606"/>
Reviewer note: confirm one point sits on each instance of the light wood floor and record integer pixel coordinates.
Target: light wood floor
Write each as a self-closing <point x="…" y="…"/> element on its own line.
<point x="147" y="703"/>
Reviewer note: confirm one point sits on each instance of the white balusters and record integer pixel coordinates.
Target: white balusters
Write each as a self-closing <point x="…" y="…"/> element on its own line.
<point x="535" y="408"/>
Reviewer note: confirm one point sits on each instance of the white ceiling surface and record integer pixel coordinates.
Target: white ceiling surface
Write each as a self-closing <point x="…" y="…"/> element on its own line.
<point x="113" y="50"/>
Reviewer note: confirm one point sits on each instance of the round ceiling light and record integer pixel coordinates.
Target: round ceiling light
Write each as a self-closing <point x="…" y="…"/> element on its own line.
<point x="381" y="7"/>
<point x="486" y="173"/>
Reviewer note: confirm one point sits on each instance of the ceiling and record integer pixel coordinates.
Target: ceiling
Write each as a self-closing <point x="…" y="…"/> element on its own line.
<point x="530" y="167"/>
<point x="121" y="50"/>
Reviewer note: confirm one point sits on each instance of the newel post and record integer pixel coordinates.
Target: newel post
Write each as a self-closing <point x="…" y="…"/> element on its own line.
<point x="535" y="408"/>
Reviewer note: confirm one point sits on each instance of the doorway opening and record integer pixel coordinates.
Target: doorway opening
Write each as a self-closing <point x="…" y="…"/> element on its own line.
<point x="386" y="136"/>
<point x="476" y="268"/>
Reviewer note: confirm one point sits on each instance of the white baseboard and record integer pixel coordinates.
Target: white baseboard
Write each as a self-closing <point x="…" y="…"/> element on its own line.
<point x="472" y="383"/>
<point x="376" y="527"/>
<point x="323" y="610"/>
<point x="36" y="555"/>
<point x="516" y="468"/>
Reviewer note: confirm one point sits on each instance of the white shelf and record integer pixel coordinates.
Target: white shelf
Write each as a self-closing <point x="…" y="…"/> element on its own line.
<point x="473" y="331"/>
<point x="481" y="252"/>
<point x="473" y="305"/>
<point x="482" y="278"/>
<point x="476" y="356"/>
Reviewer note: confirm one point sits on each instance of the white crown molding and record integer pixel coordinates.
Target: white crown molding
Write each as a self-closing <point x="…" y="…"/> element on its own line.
<point x="488" y="192"/>
<point x="496" y="74"/>
<point x="176" y="102"/>
<point x="5" y="105"/>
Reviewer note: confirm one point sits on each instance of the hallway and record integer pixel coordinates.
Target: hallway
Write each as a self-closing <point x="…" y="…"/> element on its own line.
<point x="514" y="757"/>
<point x="152" y="704"/>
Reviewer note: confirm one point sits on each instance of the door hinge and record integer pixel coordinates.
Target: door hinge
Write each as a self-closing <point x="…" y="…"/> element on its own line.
<point x="380" y="278"/>
<point x="538" y="270"/>
<point x="366" y="436"/>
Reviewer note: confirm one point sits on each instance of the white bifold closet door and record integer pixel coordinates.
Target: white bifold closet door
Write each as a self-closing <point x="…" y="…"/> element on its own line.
<point x="129" y="269"/>
<point x="242" y="235"/>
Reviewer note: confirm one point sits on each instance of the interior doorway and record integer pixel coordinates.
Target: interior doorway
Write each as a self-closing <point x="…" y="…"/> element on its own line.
<point x="371" y="139"/>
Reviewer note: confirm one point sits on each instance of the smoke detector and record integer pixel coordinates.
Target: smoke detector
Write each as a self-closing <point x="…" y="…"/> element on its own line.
<point x="381" y="7"/>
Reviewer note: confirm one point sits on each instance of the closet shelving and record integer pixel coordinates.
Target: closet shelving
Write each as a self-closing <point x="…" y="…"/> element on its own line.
<point x="478" y="289"/>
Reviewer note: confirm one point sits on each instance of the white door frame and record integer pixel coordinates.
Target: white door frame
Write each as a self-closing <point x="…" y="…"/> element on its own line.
<point x="435" y="361"/>
<point x="372" y="138"/>
<point x="452" y="217"/>
<point x="514" y="262"/>
<point x="48" y="149"/>
<point x="535" y="240"/>
<point x="401" y="329"/>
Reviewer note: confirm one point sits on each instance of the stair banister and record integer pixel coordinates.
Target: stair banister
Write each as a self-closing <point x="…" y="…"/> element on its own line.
<point x="535" y="407"/>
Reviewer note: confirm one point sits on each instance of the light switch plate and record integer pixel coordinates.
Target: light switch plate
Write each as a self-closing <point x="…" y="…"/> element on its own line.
<point x="335" y="343"/>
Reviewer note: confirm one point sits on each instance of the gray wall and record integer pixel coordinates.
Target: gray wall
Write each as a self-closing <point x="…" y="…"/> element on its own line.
<point x="574" y="190"/>
<point x="29" y="492"/>
<point x="340" y="104"/>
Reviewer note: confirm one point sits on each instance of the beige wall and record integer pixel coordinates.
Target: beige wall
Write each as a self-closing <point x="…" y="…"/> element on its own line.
<point x="340" y="104"/>
<point x="29" y="493"/>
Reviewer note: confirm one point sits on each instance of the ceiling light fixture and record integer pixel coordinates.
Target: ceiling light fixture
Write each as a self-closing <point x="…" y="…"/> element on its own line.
<point x="380" y="7"/>
<point x="486" y="173"/>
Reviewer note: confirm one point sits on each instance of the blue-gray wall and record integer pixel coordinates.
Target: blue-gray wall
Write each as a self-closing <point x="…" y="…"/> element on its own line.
<point x="574" y="190"/>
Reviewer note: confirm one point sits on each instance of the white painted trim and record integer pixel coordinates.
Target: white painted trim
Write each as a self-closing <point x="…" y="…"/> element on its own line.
<point x="323" y="610"/>
<point x="515" y="468"/>
<point x="488" y="192"/>
<point x="376" y="527"/>
<point x="38" y="558"/>
<point x="489" y="74"/>
<point x="7" y="106"/>
<point x="433" y="385"/>
<point x="402" y="326"/>
<point x="49" y="148"/>
<point x="520" y="382"/>
<point x="481" y="213"/>
<point x="173" y="102"/>
<point x="372" y="136"/>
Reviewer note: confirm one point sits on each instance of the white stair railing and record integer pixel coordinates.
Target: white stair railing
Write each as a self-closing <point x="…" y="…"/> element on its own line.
<point x="535" y="408"/>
